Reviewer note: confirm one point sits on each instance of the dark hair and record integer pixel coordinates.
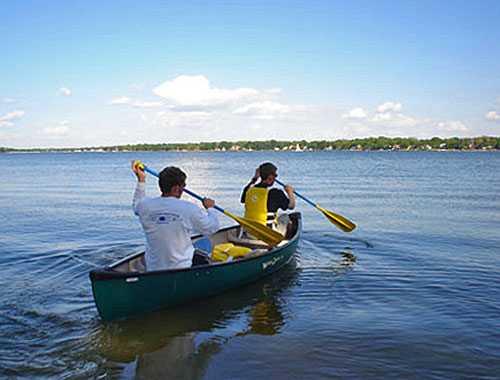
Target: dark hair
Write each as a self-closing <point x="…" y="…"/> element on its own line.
<point x="169" y="177"/>
<point x="265" y="169"/>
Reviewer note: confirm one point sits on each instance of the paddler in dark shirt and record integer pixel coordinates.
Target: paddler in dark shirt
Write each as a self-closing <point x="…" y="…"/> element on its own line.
<point x="261" y="201"/>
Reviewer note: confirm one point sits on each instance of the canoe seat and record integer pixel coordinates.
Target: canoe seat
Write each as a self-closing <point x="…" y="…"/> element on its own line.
<point x="247" y="240"/>
<point x="242" y="238"/>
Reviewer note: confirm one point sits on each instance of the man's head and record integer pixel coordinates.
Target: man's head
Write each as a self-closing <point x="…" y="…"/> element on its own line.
<point x="268" y="169"/>
<point x="170" y="177"/>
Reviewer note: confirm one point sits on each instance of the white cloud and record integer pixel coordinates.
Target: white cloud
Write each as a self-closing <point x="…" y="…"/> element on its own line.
<point x="387" y="119"/>
<point x="8" y="101"/>
<point x="390" y="106"/>
<point x="192" y="98"/>
<point x="120" y="101"/>
<point x="6" y="124"/>
<point x="60" y="129"/>
<point x="64" y="91"/>
<point x="142" y="104"/>
<point x="191" y="109"/>
<point x="492" y="115"/>
<point x="355" y="113"/>
<point x="256" y="127"/>
<point x="195" y="91"/>
<point x="276" y="111"/>
<point x="396" y="120"/>
<point x="125" y="100"/>
<point x="12" y="115"/>
<point x="184" y="119"/>
<point x="359" y="129"/>
<point x="382" y="117"/>
<point x="265" y="110"/>
<point x="452" y="126"/>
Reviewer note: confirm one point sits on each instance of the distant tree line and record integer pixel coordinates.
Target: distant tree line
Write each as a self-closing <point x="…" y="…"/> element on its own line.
<point x="371" y="143"/>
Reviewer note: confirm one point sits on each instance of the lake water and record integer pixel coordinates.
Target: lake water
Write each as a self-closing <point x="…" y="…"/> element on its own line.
<point x="412" y="293"/>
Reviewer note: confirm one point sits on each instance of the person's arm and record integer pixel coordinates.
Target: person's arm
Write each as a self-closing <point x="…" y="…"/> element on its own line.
<point x="278" y="199"/>
<point x="140" y="189"/>
<point x="252" y="181"/>
<point x="206" y="224"/>
<point x="289" y="190"/>
<point x="244" y="193"/>
<point x="140" y="193"/>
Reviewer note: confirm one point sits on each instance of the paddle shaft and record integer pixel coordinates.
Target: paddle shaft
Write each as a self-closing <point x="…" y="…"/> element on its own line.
<point x="194" y="195"/>
<point x="336" y="219"/>
<point x="298" y="194"/>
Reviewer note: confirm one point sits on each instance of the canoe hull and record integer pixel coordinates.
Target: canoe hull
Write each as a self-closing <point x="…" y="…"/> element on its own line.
<point x="120" y="295"/>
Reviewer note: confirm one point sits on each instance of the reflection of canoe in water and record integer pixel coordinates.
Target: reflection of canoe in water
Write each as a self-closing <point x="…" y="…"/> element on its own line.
<point x="258" y="308"/>
<point x="123" y="290"/>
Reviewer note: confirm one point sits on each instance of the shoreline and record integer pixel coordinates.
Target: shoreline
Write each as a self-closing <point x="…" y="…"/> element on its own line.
<point x="381" y="143"/>
<point x="244" y="151"/>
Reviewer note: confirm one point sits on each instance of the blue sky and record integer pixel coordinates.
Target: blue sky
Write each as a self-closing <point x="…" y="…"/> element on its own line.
<point x="93" y="73"/>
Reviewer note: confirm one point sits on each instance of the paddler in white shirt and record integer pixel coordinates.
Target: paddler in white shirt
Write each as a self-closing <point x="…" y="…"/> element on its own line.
<point x="169" y="221"/>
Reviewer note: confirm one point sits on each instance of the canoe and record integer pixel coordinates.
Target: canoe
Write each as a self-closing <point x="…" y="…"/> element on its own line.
<point x="124" y="289"/>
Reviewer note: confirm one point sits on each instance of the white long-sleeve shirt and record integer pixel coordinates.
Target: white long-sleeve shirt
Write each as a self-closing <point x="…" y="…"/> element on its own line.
<point x="168" y="223"/>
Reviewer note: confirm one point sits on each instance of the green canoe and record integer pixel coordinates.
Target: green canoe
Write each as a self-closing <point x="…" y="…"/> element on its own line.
<point x="124" y="289"/>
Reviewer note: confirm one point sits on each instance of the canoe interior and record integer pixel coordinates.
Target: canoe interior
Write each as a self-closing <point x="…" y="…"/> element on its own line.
<point x="136" y="262"/>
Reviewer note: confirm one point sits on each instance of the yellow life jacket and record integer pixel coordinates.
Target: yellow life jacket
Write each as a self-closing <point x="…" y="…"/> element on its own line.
<point x="256" y="206"/>
<point x="229" y="251"/>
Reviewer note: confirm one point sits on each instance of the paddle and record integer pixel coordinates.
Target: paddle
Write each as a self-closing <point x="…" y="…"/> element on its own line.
<point x="260" y="231"/>
<point x="336" y="219"/>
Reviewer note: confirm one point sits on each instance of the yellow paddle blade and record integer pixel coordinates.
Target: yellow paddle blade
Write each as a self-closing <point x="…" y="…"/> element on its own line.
<point x="338" y="220"/>
<point x="260" y="231"/>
